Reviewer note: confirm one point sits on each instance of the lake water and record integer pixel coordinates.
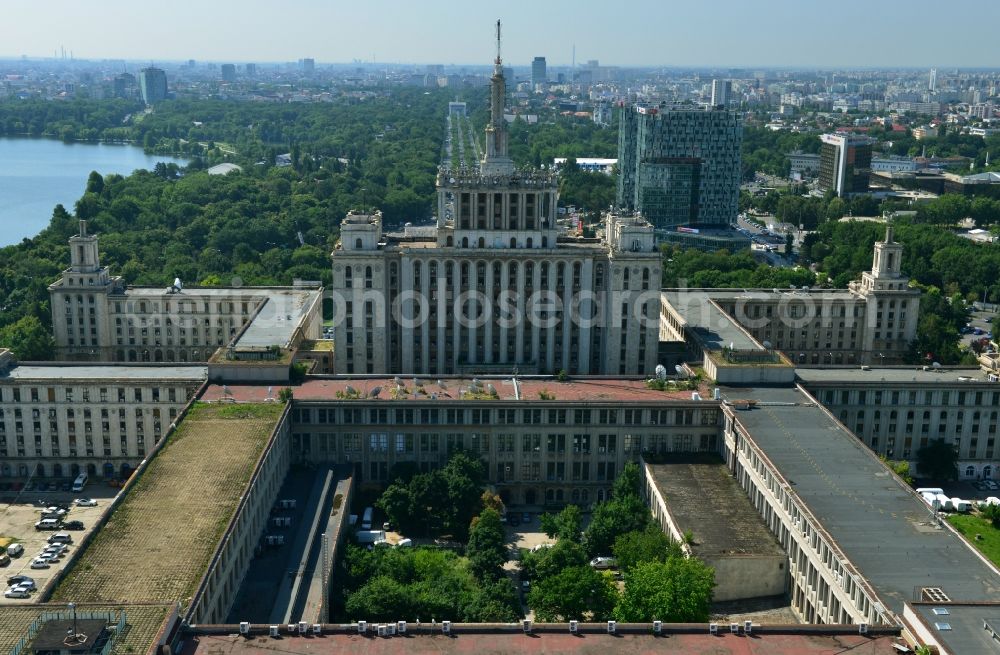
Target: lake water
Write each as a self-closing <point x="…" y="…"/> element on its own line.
<point x="38" y="174"/>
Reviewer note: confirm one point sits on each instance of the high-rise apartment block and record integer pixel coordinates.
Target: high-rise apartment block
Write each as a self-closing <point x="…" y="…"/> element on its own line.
<point x="308" y="65"/>
<point x="722" y="91"/>
<point x="539" y="74"/>
<point x="229" y="72"/>
<point x="845" y="163"/>
<point x="495" y="285"/>
<point x="932" y="80"/>
<point x="680" y="165"/>
<point x="153" y="85"/>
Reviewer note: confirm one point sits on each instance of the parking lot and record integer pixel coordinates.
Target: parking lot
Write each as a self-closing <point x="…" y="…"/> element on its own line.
<point x="18" y="514"/>
<point x="979" y="321"/>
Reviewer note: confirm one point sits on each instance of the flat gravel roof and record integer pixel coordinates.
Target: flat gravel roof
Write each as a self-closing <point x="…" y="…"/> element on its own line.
<point x="882" y="526"/>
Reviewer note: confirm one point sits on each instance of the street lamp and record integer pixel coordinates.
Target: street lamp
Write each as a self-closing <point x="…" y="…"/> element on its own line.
<point x="72" y="608"/>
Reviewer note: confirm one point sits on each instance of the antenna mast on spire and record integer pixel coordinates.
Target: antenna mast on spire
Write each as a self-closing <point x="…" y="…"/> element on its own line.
<point x="498" y="42"/>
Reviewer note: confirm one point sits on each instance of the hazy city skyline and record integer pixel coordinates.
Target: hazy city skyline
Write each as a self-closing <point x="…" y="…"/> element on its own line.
<point x="727" y="33"/>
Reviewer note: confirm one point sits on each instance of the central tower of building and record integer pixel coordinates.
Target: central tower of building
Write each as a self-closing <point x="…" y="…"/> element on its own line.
<point x="495" y="285"/>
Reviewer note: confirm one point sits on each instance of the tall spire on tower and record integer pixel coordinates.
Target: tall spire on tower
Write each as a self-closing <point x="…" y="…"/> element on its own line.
<point x="498" y="60"/>
<point x="495" y="159"/>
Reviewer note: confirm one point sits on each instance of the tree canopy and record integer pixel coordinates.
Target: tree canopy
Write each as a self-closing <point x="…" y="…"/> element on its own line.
<point x="678" y="590"/>
<point x="441" y="502"/>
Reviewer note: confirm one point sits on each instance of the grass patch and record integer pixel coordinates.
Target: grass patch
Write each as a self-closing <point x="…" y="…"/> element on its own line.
<point x="971" y="525"/>
<point x="159" y="540"/>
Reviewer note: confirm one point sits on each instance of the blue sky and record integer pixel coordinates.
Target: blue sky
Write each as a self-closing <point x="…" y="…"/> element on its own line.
<point x="737" y="33"/>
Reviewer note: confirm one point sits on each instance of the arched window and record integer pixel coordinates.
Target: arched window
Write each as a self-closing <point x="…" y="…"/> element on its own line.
<point x="368" y="277"/>
<point x="348" y="279"/>
<point x="450" y="241"/>
<point x="527" y="243"/>
<point x="987" y="472"/>
<point x="545" y="242"/>
<point x="970" y="471"/>
<point x="482" y="242"/>
<point x="625" y="276"/>
<point x="513" y="242"/>
<point x="357" y="244"/>
<point x="599" y="277"/>
<point x="645" y="279"/>
<point x="465" y="242"/>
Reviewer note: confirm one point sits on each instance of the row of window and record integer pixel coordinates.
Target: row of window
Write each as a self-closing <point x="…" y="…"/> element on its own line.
<point x="504" y="416"/>
<point x="91" y="394"/>
<point x="923" y="398"/>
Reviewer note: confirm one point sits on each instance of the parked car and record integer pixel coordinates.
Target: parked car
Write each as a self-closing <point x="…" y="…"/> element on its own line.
<point x="73" y="525"/>
<point x="48" y="524"/>
<point x="604" y="562"/>
<point x="526" y="517"/>
<point x="15" y="580"/>
<point x="40" y="563"/>
<point x="4" y="559"/>
<point x="85" y="502"/>
<point x="16" y="593"/>
<point x="65" y="486"/>
<point x="15" y="550"/>
<point x="61" y="538"/>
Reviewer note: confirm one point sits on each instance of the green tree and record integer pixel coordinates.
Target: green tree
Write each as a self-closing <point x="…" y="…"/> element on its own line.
<point x="938" y="460"/>
<point x="382" y="599"/>
<point x="487" y="547"/>
<point x="649" y="545"/>
<point x="28" y="339"/>
<point x="629" y="482"/>
<point x="611" y="518"/>
<point x="677" y="591"/>
<point x="579" y="593"/>
<point x="899" y="467"/>
<point x="992" y="514"/>
<point x="563" y="555"/>
<point x="95" y="183"/>
<point x="564" y="525"/>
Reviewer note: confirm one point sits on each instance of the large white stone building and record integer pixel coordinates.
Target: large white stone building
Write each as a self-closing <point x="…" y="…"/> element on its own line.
<point x="58" y="420"/>
<point x="97" y="317"/>
<point x="495" y="285"/>
<point x="874" y="321"/>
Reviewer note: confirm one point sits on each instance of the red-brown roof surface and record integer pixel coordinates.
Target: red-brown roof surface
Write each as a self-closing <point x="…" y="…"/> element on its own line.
<point x="582" y="389"/>
<point x="590" y="644"/>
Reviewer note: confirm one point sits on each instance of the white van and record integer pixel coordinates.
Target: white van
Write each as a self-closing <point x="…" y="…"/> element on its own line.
<point x="366" y="519"/>
<point x="80" y="482"/>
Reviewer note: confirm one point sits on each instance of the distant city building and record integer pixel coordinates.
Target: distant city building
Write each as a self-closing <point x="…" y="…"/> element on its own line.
<point x="539" y="74"/>
<point x="893" y="164"/>
<point x="457" y="109"/>
<point x="932" y="80"/>
<point x="123" y="85"/>
<point x="592" y="164"/>
<point x="308" y="65"/>
<point x="803" y="165"/>
<point x="229" y="72"/>
<point x="721" y="92"/>
<point x="845" y="163"/>
<point x="603" y="113"/>
<point x="250" y="69"/>
<point x="680" y="165"/>
<point x="153" y="85"/>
